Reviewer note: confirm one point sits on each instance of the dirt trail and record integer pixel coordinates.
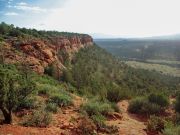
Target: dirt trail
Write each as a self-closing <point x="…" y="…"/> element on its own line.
<point x="65" y="122"/>
<point x="129" y="124"/>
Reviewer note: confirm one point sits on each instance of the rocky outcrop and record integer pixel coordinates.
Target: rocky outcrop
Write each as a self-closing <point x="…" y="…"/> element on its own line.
<point x="39" y="54"/>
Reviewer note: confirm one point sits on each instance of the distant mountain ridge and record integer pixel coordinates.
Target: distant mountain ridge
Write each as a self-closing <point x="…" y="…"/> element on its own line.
<point x="163" y="37"/>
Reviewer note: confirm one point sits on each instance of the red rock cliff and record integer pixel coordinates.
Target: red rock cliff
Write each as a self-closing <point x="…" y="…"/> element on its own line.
<point x="39" y="54"/>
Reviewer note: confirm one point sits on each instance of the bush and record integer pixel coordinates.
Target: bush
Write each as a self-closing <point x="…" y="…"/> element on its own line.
<point x="61" y="100"/>
<point x="155" y="123"/>
<point x="97" y="108"/>
<point x="47" y="89"/>
<point x="27" y="103"/>
<point x="99" y="120"/>
<point x="115" y="107"/>
<point x="150" y="108"/>
<point x="177" y="104"/>
<point x="136" y="105"/>
<point x="114" y="94"/>
<point x="39" y="118"/>
<point x="177" y="119"/>
<point x="159" y="99"/>
<point x="171" y="129"/>
<point x="51" y="107"/>
<point x="152" y="104"/>
<point x="86" y="126"/>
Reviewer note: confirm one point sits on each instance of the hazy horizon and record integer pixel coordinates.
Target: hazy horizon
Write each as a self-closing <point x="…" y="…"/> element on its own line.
<point x="108" y="18"/>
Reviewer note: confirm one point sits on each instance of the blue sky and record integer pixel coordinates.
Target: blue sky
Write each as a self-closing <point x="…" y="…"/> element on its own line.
<point x="118" y="18"/>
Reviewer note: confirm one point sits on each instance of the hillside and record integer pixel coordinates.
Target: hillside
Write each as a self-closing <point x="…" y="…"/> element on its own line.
<point x="40" y="49"/>
<point x="63" y="83"/>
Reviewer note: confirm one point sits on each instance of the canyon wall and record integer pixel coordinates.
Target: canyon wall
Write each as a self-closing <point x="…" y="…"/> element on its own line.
<point x="40" y="53"/>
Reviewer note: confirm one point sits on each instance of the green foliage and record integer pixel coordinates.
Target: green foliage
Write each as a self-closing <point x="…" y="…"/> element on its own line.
<point x="14" y="87"/>
<point x="46" y="89"/>
<point x="152" y="104"/>
<point x="115" y="107"/>
<point x="97" y="108"/>
<point x="86" y="126"/>
<point x="96" y="72"/>
<point x="52" y="107"/>
<point x="67" y="76"/>
<point x="10" y="30"/>
<point x="61" y="100"/>
<point x="136" y="105"/>
<point x="177" y="119"/>
<point x="142" y="49"/>
<point x="177" y="104"/>
<point x="155" y="123"/>
<point x="171" y="129"/>
<point x="53" y="71"/>
<point x="150" y="108"/>
<point x="99" y="120"/>
<point x="27" y="103"/>
<point x="115" y="93"/>
<point x="39" y="118"/>
<point x="159" y="99"/>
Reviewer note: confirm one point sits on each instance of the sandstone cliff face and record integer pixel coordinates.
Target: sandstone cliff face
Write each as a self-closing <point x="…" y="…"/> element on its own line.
<point x="39" y="54"/>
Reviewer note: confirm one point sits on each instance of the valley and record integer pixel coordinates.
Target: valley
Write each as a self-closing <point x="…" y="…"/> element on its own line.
<point x="64" y="83"/>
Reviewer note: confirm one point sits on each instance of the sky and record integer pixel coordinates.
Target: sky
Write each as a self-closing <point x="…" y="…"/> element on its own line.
<point x="113" y="18"/>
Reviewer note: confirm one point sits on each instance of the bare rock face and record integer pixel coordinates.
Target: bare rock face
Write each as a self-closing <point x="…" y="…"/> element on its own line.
<point x="39" y="54"/>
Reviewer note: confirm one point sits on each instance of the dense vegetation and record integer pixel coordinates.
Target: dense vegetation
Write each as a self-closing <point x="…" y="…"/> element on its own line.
<point x="152" y="104"/>
<point x="94" y="71"/>
<point x="10" y="31"/>
<point x="143" y="49"/>
<point x="19" y="89"/>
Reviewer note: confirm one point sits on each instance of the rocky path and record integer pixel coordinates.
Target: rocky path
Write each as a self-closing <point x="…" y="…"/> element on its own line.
<point x="129" y="124"/>
<point x="66" y="122"/>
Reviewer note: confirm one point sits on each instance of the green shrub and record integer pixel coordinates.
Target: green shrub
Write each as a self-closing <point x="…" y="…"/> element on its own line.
<point x="61" y="100"/>
<point x="155" y="123"/>
<point x="150" y="108"/>
<point x="27" y="103"/>
<point x="152" y="104"/>
<point x="177" y="104"/>
<point x="115" y="107"/>
<point x="39" y="118"/>
<point x="171" y="129"/>
<point x="177" y="119"/>
<point x="47" y="89"/>
<point x="114" y="94"/>
<point x="99" y="120"/>
<point x="86" y="126"/>
<point x="136" y="105"/>
<point x="159" y="99"/>
<point x="52" y="107"/>
<point x="97" y="108"/>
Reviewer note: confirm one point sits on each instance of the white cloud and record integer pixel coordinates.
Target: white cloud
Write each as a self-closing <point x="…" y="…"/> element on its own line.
<point x="11" y="14"/>
<point x="22" y="4"/>
<point x="25" y="7"/>
<point x="10" y="1"/>
<point x="113" y="17"/>
<point x="117" y="17"/>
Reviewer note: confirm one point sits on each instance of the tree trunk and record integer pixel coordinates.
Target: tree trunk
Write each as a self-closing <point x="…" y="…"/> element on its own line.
<point x="7" y="116"/>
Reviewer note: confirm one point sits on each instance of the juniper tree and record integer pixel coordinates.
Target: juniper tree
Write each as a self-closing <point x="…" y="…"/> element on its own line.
<point x="14" y="87"/>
